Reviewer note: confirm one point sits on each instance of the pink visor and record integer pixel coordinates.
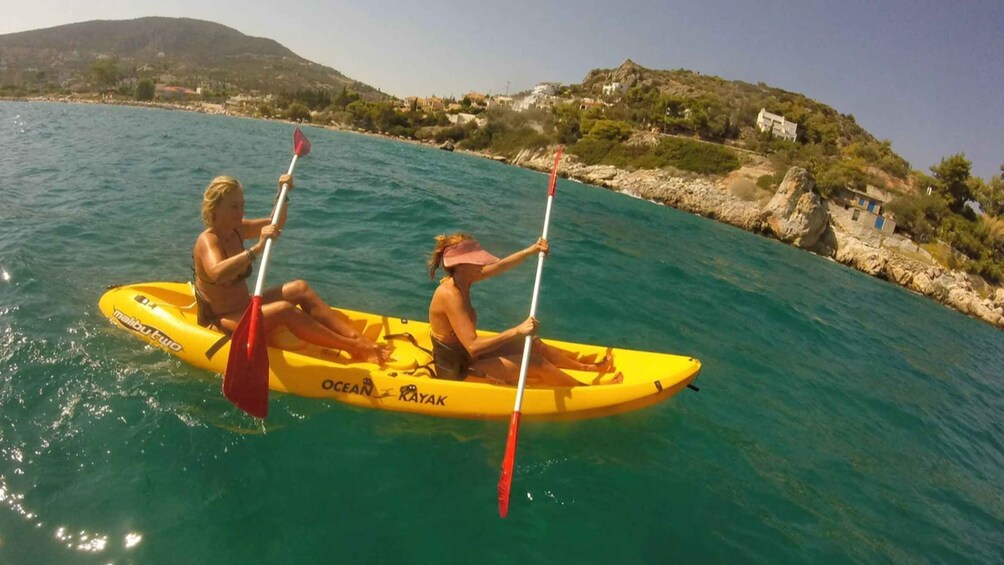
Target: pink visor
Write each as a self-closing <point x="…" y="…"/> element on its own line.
<point x="467" y="252"/>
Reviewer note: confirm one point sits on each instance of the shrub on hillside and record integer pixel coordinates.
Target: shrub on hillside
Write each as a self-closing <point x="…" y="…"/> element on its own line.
<point x="592" y="151"/>
<point x="298" y="112"/>
<point x="145" y="89"/>
<point x="698" y="157"/>
<point x="510" y="142"/>
<point x="992" y="271"/>
<point x="832" y="176"/>
<point x="703" y="158"/>
<point x="919" y="216"/>
<point x="610" y="129"/>
<point x="453" y="133"/>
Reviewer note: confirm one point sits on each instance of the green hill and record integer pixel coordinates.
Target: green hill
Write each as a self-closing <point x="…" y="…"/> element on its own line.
<point x="185" y="52"/>
<point x="688" y="103"/>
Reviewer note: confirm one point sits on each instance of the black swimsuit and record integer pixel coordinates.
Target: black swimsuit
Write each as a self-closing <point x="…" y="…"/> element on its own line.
<point x="206" y="316"/>
<point x="454" y="361"/>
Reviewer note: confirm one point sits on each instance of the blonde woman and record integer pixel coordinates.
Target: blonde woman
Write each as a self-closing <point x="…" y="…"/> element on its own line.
<point x="222" y="266"/>
<point x="459" y="351"/>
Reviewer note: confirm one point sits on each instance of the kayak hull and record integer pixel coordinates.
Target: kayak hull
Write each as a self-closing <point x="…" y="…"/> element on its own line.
<point x="164" y="315"/>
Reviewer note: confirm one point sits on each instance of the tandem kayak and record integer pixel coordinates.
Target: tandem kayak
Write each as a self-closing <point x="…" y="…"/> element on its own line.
<point x="164" y="315"/>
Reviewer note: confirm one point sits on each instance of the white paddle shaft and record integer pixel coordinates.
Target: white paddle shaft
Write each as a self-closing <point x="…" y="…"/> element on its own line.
<point x="533" y="311"/>
<point x="263" y="269"/>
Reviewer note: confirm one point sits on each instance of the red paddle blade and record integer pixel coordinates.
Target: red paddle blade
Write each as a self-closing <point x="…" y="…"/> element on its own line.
<point x="245" y="382"/>
<point x="505" y="479"/>
<point x="554" y="171"/>
<point x="301" y="145"/>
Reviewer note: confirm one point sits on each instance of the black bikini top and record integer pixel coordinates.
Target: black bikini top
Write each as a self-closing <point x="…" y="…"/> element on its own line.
<point x="240" y="278"/>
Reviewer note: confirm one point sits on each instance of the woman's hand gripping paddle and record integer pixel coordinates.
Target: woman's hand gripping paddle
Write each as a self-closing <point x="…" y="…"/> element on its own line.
<point x="505" y="479"/>
<point x="245" y="382"/>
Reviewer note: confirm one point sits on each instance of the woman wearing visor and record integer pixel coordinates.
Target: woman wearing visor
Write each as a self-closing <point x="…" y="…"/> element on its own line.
<point x="459" y="351"/>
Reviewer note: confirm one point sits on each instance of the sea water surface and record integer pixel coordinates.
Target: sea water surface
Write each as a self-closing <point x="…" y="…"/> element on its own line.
<point x="841" y="419"/>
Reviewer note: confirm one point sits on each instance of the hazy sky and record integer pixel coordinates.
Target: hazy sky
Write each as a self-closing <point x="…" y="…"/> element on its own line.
<point x="927" y="75"/>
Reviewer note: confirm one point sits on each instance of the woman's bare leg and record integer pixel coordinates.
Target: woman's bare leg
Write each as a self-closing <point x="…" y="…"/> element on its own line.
<point x="539" y="372"/>
<point x="301" y="294"/>
<point x="304" y="326"/>
<point x="561" y="359"/>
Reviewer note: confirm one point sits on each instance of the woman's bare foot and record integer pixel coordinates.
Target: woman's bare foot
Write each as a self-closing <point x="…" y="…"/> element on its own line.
<point x="616" y="379"/>
<point x="606" y="364"/>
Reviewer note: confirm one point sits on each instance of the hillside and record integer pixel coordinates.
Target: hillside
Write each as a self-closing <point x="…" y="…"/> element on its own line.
<point x="180" y="51"/>
<point x="685" y="102"/>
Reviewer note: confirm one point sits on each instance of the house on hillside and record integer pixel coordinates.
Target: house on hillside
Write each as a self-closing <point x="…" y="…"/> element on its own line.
<point x="462" y="118"/>
<point x="614" y="88"/>
<point x="544" y="89"/>
<point x="777" y="125"/>
<point x="542" y="96"/>
<point x="476" y="97"/>
<point x="432" y="104"/>
<point x="243" y="101"/>
<point x="589" y="103"/>
<point x="503" y="101"/>
<point x="866" y="208"/>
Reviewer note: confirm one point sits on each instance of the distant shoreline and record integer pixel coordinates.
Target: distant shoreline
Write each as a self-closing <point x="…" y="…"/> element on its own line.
<point x="962" y="301"/>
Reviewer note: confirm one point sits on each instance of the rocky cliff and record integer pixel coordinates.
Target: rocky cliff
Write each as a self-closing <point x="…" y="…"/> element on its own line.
<point x="796" y="215"/>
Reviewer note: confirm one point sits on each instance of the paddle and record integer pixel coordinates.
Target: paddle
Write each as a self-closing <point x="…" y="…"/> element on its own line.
<point x="245" y="382"/>
<point x="505" y="479"/>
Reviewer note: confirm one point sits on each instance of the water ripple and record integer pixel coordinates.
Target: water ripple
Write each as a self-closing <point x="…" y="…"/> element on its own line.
<point x="841" y="419"/>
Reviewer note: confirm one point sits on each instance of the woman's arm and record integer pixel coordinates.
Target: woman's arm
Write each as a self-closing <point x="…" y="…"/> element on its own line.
<point x="216" y="266"/>
<point x="251" y="228"/>
<point x="463" y="327"/>
<point x="495" y="269"/>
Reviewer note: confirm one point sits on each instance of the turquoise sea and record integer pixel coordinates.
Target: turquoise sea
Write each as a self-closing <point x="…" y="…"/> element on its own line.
<point x="841" y="419"/>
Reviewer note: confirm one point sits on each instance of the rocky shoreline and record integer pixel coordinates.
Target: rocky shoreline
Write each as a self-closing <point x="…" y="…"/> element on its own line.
<point x="795" y="214"/>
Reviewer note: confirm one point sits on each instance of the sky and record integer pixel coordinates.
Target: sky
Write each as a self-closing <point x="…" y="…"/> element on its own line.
<point x="926" y="75"/>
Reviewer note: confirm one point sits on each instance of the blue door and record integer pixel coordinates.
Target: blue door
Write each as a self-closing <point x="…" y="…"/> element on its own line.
<point x="879" y="222"/>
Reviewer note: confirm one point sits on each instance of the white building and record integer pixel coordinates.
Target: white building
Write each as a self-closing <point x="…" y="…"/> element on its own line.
<point x="504" y="101"/>
<point x="614" y="88"/>
<point x="779" y="126"/>
<point x="544" y="89"/>
<point x="461" y="119"/>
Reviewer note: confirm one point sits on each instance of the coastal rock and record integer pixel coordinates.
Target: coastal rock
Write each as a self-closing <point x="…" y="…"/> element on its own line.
<point x="700" y="195"/>
<point x="921" y="283"/>
<point x="900" y="274"/>
<point x="967" y="302"/>
<point x="855" y="253"/>
<point x="998" y="298"/>
<point x="797" y="215"/>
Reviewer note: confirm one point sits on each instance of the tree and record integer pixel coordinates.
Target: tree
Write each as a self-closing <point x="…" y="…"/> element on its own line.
<point x="105" y="73"/>
<point x="344" y="98"/>
<point x="919" y="216"/>
<point x="144" y="89"/>
<point x="610" y="129"/>
<point x="990" y="195"/>
<point x="297" y="112"/>
<point x="952" y="176"/>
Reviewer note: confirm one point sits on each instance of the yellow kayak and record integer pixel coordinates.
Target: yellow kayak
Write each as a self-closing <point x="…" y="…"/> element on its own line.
<point x="164" y="314"/>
